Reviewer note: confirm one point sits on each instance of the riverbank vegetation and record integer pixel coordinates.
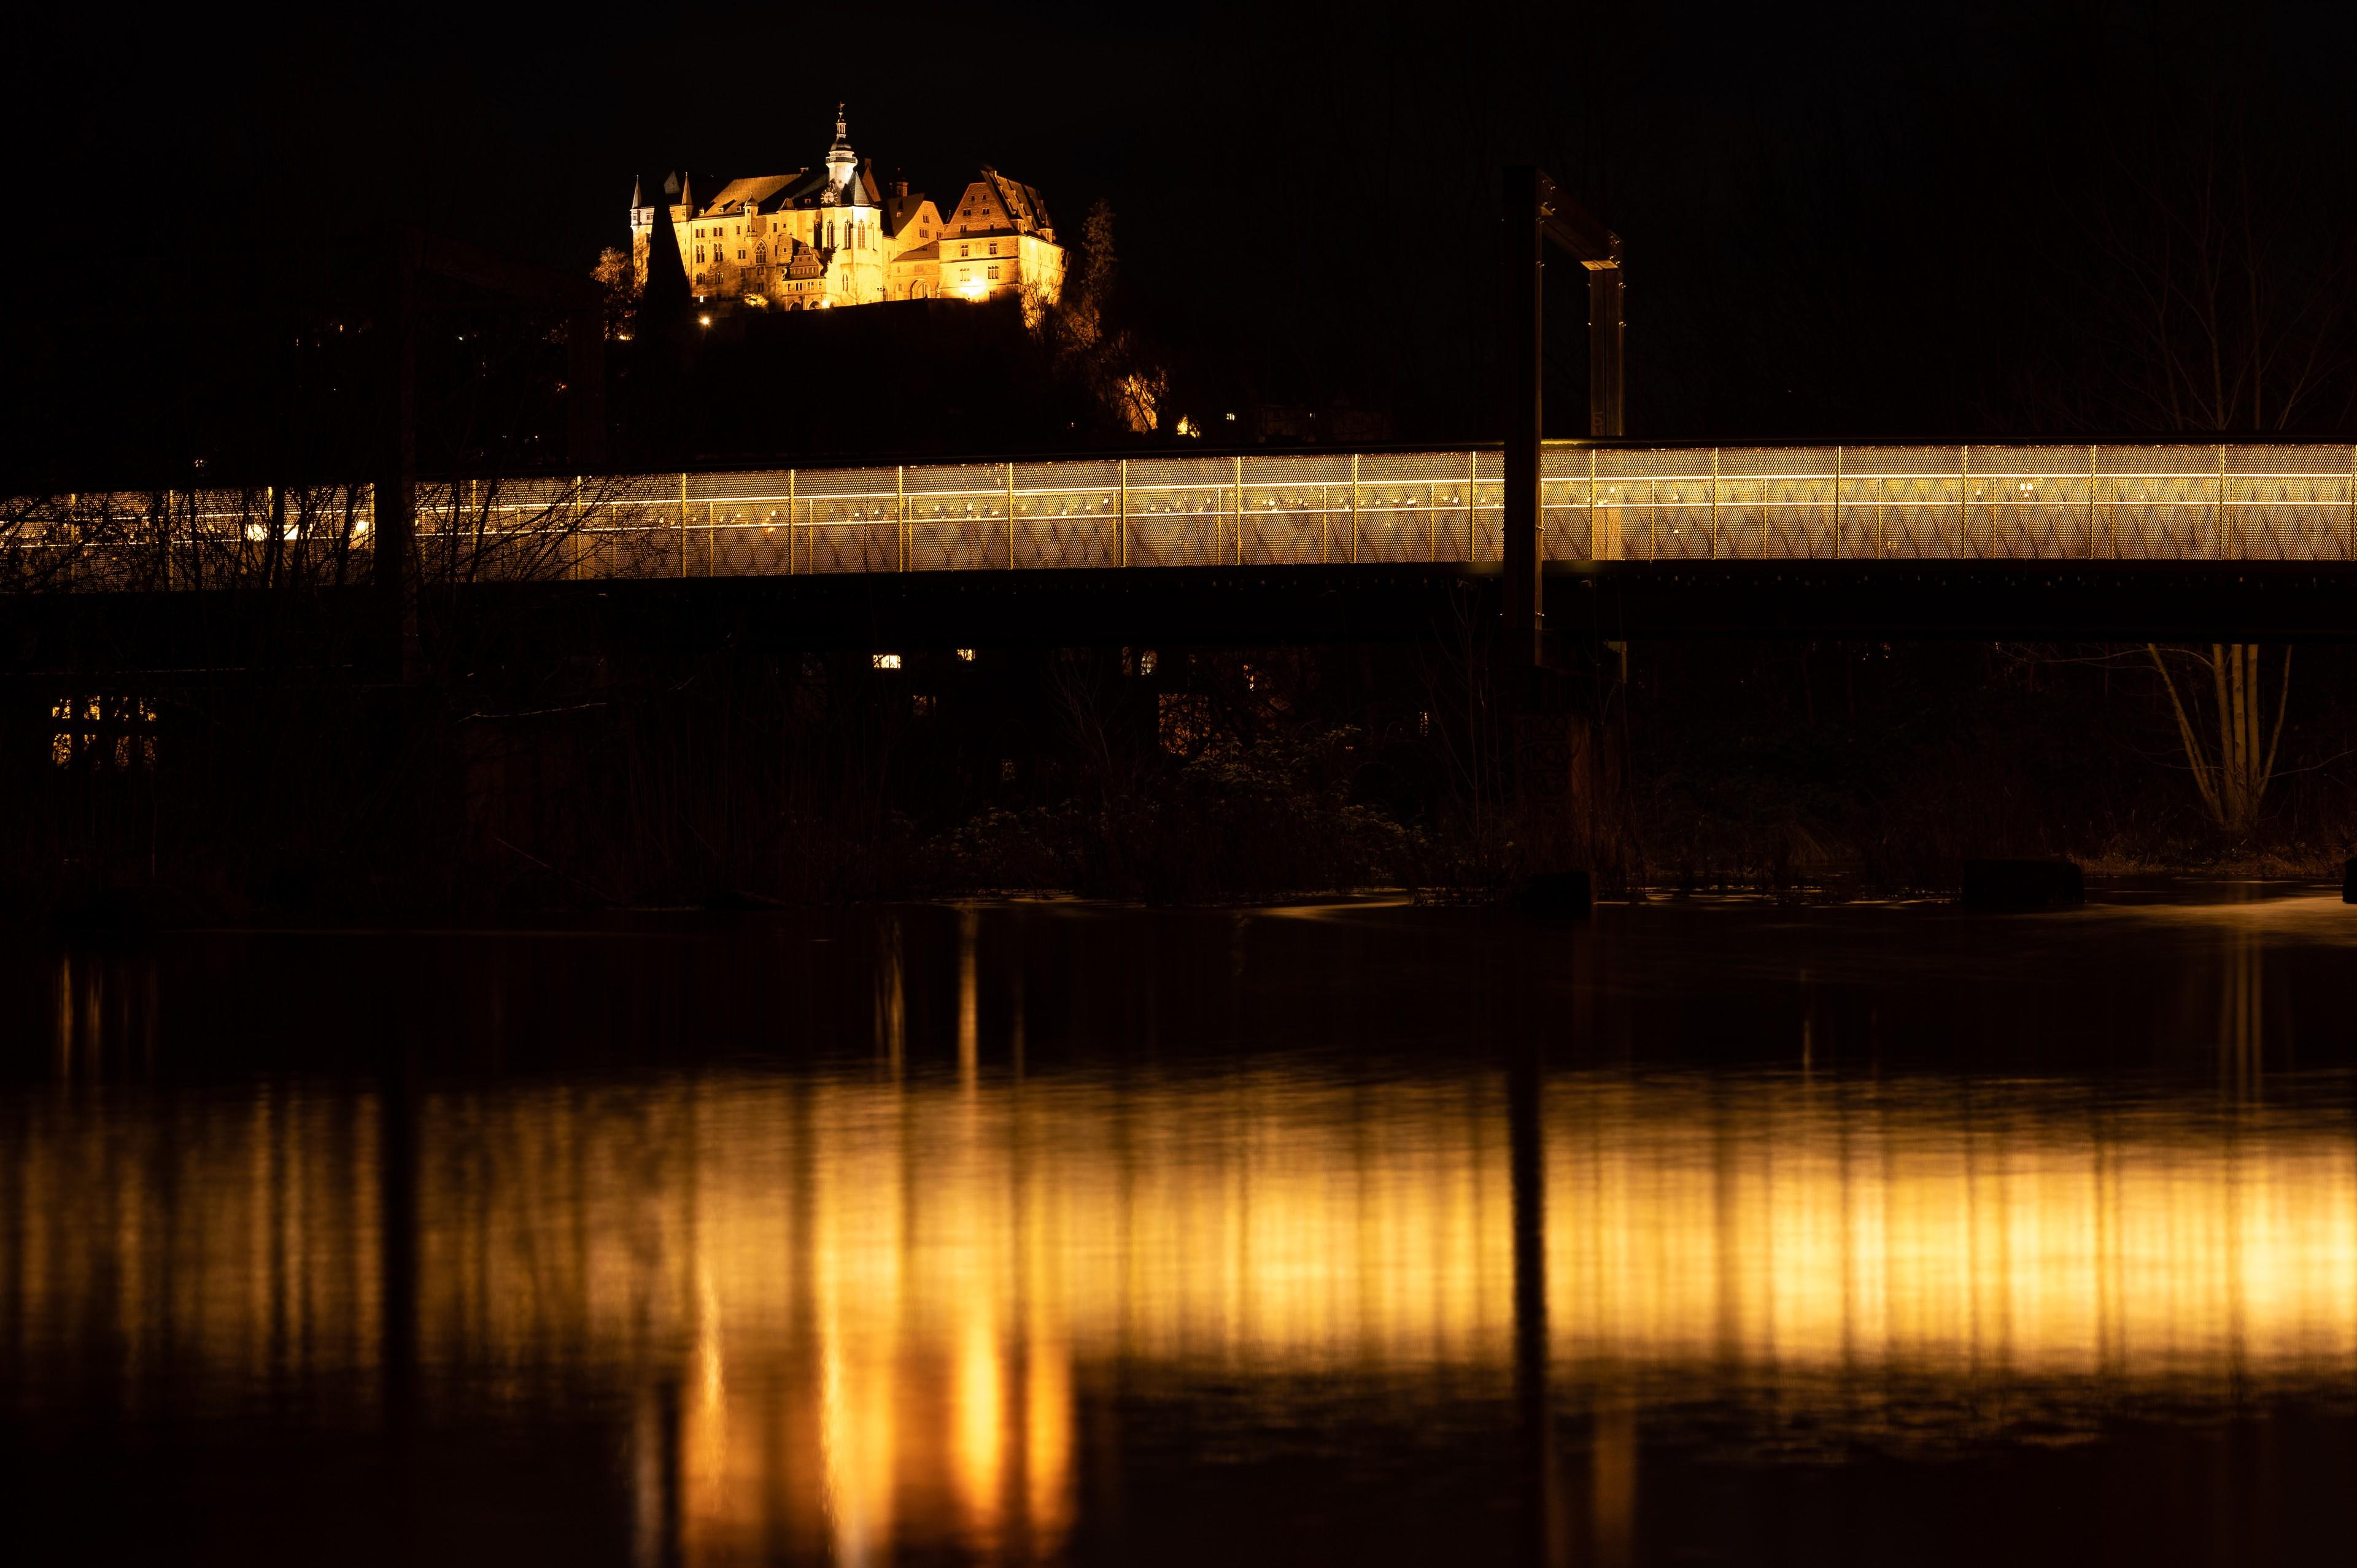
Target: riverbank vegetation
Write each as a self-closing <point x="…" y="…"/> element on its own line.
<point x="1163" y="776"/>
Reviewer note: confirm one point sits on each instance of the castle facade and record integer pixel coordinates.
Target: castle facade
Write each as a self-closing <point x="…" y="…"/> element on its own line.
<point x="828" y="237"/>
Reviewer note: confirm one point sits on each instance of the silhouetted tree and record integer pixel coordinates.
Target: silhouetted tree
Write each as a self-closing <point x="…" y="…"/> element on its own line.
<point x="618" y="276"/>
<point x="2207" y="293"/>
<point x="2210" y="291"/>
<point x="1124" y="380"/>
<point x="2233" y="777"/>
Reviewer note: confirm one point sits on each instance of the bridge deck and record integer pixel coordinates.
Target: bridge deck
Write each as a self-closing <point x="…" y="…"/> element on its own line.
<point x="2179" y="502"/>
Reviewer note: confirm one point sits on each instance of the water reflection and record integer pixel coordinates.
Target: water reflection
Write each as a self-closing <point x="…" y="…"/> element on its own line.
<point x="905" y="1302"/>
<point x="856" y="1313"/>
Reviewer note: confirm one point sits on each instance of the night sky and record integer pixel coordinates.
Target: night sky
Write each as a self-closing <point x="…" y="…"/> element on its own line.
<point x="1870" y="220"/>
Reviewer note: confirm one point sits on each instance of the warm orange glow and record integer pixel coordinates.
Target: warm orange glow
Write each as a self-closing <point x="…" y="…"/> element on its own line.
<point x="2176" y="502"/>
<point x="879" y="1304"/>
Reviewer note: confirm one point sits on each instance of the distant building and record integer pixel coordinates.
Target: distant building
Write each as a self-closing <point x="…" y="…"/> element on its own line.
<point x="828" y="237"/>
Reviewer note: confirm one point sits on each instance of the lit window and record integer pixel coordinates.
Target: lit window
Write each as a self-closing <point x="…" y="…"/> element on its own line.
<point x="884" y="660"/>
<point x="966" y="654"/>
<point x="104" y="731"/>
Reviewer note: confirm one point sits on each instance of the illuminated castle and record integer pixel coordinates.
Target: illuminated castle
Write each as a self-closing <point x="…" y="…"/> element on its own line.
<point x="818" y="239"/>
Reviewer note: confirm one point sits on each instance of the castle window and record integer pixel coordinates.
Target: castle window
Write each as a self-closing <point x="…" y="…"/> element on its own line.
<point x="964" y="249"/>
<point x="994" y="272"/>
<point x="993" y="247"/>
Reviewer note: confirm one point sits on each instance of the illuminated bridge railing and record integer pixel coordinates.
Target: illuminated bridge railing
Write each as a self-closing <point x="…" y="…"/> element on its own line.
<point x="2294" y="502"/>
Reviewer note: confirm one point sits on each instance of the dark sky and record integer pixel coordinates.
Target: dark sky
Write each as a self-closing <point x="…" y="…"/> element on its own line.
<point x="1861" y="219"/>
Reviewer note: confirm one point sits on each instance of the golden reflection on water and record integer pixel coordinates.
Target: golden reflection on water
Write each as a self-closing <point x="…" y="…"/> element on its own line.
<point x="847" y="1315"/>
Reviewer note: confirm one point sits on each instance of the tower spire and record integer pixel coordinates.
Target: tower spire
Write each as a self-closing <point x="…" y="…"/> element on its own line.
<point x="842" y="163"/>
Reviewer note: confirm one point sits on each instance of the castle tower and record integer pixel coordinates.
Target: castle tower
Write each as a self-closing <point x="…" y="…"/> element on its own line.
<point x="642" y="226"/>
<point x="842" y="163"/>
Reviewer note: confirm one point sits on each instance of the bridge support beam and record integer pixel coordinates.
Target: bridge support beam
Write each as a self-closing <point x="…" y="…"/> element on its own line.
<point x="394" y="486"/>
<point x="1526" y="364"/>
<point x="1537" y="214"/>
<point x="411" y="258"/>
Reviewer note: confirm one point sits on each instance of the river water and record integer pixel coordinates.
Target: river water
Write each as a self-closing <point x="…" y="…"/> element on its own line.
<point x="1707" y="1232"/>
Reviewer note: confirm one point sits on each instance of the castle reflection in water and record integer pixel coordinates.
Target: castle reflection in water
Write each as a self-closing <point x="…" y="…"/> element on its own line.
<point x="845" y="1314"/>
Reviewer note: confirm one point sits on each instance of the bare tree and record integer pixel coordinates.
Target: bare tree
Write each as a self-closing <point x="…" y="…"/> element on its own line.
<point x="2206" y="303"/>
<point x="2233" y="776"/>
<point x="2210" y="294"/>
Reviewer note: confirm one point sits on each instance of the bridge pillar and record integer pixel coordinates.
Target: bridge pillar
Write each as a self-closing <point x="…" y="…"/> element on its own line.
<point x="1525" y="427"/>
<point x="1536" y="215"/>
<point x="393" y="484"/>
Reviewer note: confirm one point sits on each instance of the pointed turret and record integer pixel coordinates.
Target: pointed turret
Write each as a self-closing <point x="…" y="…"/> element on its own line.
<point x="842" y="163"/>
<point x="663" y="305"/>
<point x="635" y="202"/>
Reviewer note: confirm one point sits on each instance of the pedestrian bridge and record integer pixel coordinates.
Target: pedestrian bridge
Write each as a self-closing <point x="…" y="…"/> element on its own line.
<point x="2207" y="503"/>
<point x="2084" y="542"/>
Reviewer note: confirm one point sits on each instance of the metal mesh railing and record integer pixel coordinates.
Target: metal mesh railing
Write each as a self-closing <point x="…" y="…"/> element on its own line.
<point x="2290" y="502"/>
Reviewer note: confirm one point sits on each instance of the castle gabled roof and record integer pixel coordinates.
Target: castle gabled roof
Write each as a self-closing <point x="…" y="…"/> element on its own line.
<point x="763" y="188"/>
<point x="899" y="211"/>
<point x="1023" y="203"/>
<point x="1001" y="206"/>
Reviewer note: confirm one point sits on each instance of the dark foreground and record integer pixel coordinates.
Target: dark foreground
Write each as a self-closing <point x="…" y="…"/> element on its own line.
<point x="1703" y="1234"/>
